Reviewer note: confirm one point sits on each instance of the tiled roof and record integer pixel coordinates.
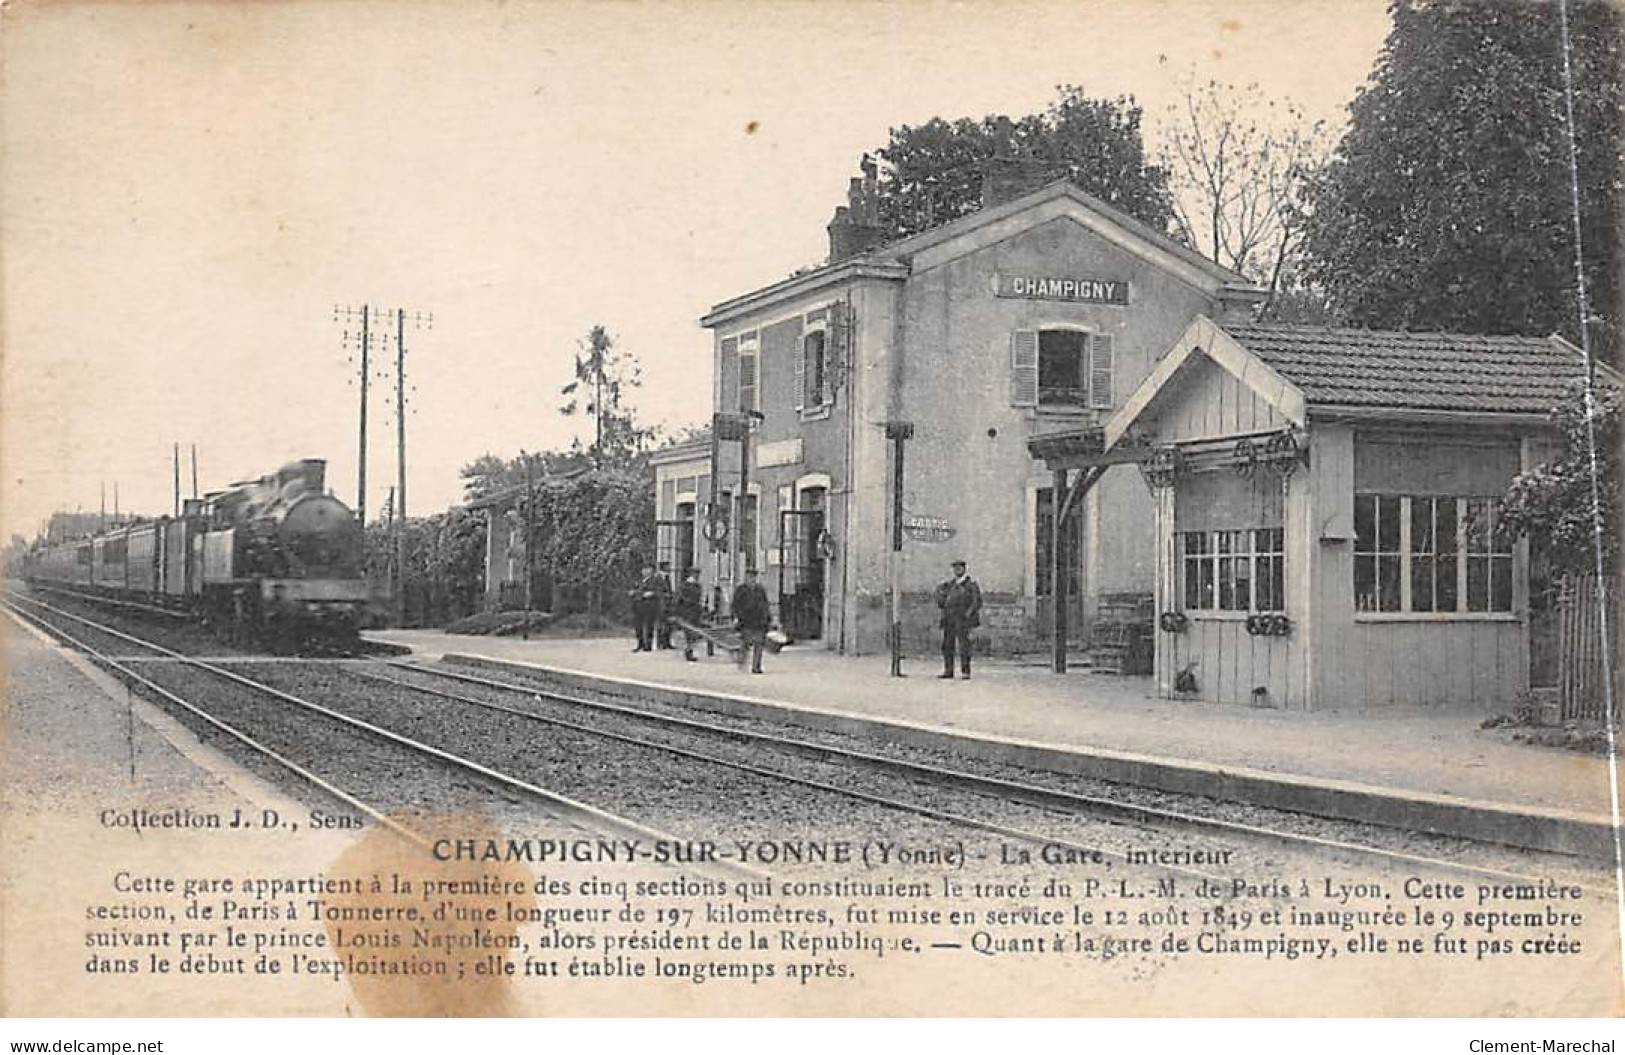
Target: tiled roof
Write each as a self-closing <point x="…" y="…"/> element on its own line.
<point x="1432" y="371"/>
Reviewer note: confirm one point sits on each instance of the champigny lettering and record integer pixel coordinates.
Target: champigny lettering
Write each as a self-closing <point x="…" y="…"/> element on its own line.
<point x="1041" y="287"/>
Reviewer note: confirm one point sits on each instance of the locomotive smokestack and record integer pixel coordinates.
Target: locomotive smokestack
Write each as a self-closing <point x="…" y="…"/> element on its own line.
<point x="315" y="473"/>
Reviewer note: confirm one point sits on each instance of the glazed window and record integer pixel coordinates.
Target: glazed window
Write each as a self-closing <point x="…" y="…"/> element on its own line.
<point x="1199" y="593"/>
<point x="1377" y="556"/>
<point x="1433" y="555"/>
<point x="749" y="541"/>
<point x="1269" y="569"/>
<point x="814" y="382"/>
<point x="1236" y="570"/>
<point x="1430" y="553"/>
<point x="1488" y="559"/>
<point x="1061" y="368"/>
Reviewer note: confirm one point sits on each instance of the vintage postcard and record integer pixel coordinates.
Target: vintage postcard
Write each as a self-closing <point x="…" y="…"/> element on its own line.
<point x="856" y="509"/>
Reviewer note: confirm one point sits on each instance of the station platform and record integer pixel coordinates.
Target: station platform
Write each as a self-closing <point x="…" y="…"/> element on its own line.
<point x="1420" y="769"/>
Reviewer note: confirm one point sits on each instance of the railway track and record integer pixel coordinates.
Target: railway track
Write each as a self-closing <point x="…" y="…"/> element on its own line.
<point x="976" y="801"/>
<point x="184" y="619"/>
<point x="124" y="666"/>
<point x="1058" y="800"/>
<point x="559" y="807"/>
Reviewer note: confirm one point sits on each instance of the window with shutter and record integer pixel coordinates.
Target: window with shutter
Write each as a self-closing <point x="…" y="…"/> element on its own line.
<point x="1024" y="368"/>
<point x="838" y="348"/>
<point x="1100" y="371"/>
<point x="730" y="372"/>
<point x="799" y="387"/>
<point x="813" y="380"/>
<point x="749" y="374"/>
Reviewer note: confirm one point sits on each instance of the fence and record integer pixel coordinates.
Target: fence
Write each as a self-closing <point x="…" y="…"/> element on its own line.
<point x="1580" y="647"/>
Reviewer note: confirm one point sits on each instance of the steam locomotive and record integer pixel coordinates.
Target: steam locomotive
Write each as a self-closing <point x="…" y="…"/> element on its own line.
<point x="271" y="560"/>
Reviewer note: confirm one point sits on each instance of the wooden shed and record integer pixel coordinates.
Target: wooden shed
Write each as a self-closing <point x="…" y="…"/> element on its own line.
<point x="1326" y="505"/>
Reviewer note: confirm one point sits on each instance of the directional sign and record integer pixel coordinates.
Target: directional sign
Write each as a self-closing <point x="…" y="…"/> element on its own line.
<point x="923" y="528"/>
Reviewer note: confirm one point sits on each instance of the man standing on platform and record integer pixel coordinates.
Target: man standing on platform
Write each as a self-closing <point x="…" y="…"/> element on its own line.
<point x="960" y="600"/>
<point x="752" y="616"/>
<point x="646" y="607"/>
<point x="690" y="609"/>
<point x="663" y="624"/>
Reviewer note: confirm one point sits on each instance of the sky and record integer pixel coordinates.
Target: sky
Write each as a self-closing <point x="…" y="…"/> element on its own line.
<point x="189" y="190"/>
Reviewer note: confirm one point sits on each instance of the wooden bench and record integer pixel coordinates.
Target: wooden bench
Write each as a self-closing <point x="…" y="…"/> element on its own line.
<point x="715" y="636"/>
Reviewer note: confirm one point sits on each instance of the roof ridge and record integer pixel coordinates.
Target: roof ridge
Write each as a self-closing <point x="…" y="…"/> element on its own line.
<point x="1297" y="327"/>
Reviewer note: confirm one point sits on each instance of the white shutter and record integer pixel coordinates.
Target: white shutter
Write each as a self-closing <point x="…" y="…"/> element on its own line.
<point x="801" y="372"/>
<point x="1024" y="368"/>
<point x="748" y="376"/>
<point x="1100" y="371"/>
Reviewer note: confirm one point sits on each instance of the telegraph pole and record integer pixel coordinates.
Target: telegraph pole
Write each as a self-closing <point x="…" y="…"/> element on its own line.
<point x="365" y="315"/>
<point x="389" y="564"/>
<point x="177" y="511"/>
<point x="194" y="470"/>
<point x="530" y="532"/>
<point x="361" y="453"/>
<point x="400" y="465"/>
<point x="362" y="343"/>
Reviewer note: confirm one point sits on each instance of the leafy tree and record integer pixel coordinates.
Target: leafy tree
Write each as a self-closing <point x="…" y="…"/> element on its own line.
<point x="593" y="533"/>
<point x="489" y="474"/>
<point x="683" y="434"/>
<point x="1238" y="166"/>
<point x="604" y="376"/>
<point x="13" y="553"/>
<point x="1552" y="503"/>
<point x="932" y="173"/>
<point x="1447" y="203"/>
<point x="443" y="577"/>
<point x="592" y="522"/>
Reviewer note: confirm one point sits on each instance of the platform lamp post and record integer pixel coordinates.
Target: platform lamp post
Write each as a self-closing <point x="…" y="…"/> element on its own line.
<point x="898" y="433"/>
<point x="738" y="426"/>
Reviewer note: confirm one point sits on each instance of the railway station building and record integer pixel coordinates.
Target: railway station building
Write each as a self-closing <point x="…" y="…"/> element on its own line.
<point x="1038" y="313"/>
<point x="1049" y="352"/>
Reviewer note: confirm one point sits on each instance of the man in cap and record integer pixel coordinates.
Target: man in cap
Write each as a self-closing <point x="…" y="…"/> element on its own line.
<point x="960" y="601"/>
<point x="690" y="609"/>
<point x="752" y="616"/>
<point x="663" y="624"/>
<point x="646" y="607"/>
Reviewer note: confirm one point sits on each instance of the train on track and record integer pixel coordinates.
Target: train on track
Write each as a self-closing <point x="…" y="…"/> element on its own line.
<point x="273" y="560"/>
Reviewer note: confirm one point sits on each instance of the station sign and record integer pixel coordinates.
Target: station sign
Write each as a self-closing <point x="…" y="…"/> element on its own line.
<point x="778" y="452"/>
<point x="921" y="528"/>
<point x="1012" y="617"/>
<point x="1080" y="289"/>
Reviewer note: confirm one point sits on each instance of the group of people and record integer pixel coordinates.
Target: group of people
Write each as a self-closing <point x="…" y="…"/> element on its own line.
<point x="654" y="604"/>
<point x="656" y="608"/>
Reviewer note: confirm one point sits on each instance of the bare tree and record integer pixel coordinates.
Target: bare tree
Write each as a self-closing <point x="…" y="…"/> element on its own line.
<point x="604" y="376"/>
<point x="1238" y="164"/>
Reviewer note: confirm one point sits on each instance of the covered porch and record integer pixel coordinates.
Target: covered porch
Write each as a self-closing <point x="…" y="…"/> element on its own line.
<point x="1077" y="459"/>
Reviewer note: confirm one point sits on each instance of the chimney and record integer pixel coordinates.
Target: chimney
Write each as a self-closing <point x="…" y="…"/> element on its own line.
<point x="1239" y="305"/>
<point x="855" y="228"/>
<point x="1006" y="178"/>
